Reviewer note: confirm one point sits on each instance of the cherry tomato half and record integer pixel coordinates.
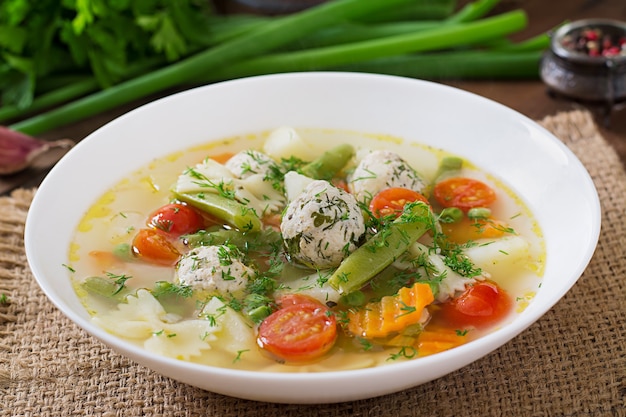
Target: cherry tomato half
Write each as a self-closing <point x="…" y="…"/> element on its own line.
<point x="391" y="201"/>
<point x="153" y="246"/>
<point x="481" y="305"/>
<point x="298" y="332"/>
<point x="464" y="193"/>
<point x="176" y="219"/>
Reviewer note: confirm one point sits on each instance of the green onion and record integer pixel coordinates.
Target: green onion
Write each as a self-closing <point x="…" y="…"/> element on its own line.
<point x="252" y="43"/>
<point x="456" y="65"/>
<point x="50" y="99"/>
<point x="71" y="91"/>
<point x="417" y="10"/>
<point x="474" y="10"/>
<point x="357" y="31"/>
<point x="535" y="44"/>
<point x="444" y="36"/>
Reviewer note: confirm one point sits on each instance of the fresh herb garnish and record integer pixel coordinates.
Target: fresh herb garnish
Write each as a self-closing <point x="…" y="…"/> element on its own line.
<point x="163" y="288"/>
<point x="119" y="280"/>
<point x="406" y="352"/>
<point x="239" y="353"/>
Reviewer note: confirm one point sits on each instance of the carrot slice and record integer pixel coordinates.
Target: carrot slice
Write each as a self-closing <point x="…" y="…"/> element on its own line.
<point x="392" y="313"/>
<point x="432" y="341"/>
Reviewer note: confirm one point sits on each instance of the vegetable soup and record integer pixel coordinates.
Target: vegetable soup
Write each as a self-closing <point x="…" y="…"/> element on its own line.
<point x="306" y="250"/>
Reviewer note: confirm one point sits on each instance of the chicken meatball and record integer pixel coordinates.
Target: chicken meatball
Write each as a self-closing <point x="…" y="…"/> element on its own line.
<point x="322" y="225"/>
<point x="383" y="169"/>
<point x="216" y="269"/>
<point x="251" y="162"/>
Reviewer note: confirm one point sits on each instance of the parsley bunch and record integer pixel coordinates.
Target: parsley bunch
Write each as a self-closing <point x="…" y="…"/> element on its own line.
<point x="45" y="44"/>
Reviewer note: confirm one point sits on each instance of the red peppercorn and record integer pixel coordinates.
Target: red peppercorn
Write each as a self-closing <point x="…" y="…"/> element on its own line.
<point x="612" y="51"/>
<point x="594" y="42"/>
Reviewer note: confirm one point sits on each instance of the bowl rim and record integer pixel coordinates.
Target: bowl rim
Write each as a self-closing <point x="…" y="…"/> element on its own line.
<point x="474" y="349"/>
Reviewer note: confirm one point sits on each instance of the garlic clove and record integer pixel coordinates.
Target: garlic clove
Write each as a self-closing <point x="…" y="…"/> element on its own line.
<point x="19" y="151"/>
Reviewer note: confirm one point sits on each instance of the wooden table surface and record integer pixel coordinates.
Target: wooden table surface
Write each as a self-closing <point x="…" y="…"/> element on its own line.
<point x="528" y="97"/>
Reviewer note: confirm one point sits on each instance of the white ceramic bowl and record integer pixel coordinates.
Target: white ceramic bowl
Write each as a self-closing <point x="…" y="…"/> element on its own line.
<point x="524" y="155"/>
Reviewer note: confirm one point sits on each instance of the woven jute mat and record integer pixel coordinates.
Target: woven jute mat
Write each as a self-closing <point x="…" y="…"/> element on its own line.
<point x="572" y="362"/>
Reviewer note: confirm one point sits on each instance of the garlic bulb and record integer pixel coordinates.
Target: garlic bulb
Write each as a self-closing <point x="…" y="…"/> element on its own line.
<point x="19" y="151"/>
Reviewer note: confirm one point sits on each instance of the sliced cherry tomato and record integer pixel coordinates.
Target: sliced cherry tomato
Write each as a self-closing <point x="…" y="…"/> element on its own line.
<point x="153" y="246"/>
<point x="298" y="332"/>
<point x="481" y="305"/>
<point x="391" y="201"/>
<point x="468" y="229"/>
<point x="464" y="193"/>
<point x="176" y="219"/>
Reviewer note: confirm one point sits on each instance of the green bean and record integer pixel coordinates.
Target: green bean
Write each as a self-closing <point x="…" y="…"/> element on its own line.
<point x="353" y="299"/>
<point x="255" y="241"/>
<point x="106" y="288"/>
<point x="220" y="237"/>
<point x="174" y="298"/>
<point x="382" y="249"/>
<point x="165" y="288"/>
<point x="450" y="215"/>
<point x="124" y="252"/>
<point x="257" y="307"/>
<point x="389" y="281"/>
<point x="448" y="165"/>
<point x="478" y="213"/>
<point x="329" y="163"/>
<point x="258" y="314"/>
<point x="230" y="211"/>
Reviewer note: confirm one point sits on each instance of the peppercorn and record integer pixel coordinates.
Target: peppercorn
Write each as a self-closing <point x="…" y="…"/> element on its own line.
<point x="595" y="43"/>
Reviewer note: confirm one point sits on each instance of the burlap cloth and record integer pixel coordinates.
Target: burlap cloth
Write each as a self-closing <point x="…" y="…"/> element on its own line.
<point x="572" y="362"/>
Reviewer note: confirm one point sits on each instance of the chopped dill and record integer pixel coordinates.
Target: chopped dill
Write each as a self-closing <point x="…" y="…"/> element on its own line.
<point x="119" y="280"/>
<point x="239" y="353"/>
<point x="406" y="352"/>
